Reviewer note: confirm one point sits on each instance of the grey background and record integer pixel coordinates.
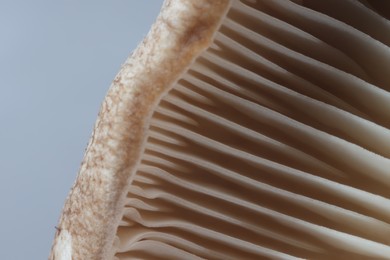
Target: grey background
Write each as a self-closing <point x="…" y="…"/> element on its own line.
<point x="57" y="59"/>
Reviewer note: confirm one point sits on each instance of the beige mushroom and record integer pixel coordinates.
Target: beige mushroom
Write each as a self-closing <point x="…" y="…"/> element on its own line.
<point x="250" y="129"/>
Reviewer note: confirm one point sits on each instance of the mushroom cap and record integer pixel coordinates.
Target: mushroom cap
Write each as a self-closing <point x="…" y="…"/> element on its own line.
<point x="94" y="206"/>
<point x="241" y="130"/>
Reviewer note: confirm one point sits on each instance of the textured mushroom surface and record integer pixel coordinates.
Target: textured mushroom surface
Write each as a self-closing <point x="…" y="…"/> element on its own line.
<point x="265" y="137"/>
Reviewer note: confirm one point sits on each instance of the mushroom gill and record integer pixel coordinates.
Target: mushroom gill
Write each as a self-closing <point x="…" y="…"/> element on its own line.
<point x="249" y="129"/>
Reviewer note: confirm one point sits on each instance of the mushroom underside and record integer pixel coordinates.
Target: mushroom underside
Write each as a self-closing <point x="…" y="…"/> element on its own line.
<point x="273" y="144"/>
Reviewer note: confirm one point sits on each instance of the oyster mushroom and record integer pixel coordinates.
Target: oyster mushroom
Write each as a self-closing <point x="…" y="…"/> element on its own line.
<point x="249" y="129"/>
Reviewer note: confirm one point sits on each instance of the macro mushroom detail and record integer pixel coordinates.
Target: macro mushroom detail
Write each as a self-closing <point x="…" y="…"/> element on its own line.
<point x="248" y="129"/>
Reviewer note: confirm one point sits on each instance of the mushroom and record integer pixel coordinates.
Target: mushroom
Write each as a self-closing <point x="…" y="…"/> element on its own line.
<point x="249" y="129"/>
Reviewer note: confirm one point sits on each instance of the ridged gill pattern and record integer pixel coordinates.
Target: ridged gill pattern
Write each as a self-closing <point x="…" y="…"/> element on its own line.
<point x="274" y="145"/>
